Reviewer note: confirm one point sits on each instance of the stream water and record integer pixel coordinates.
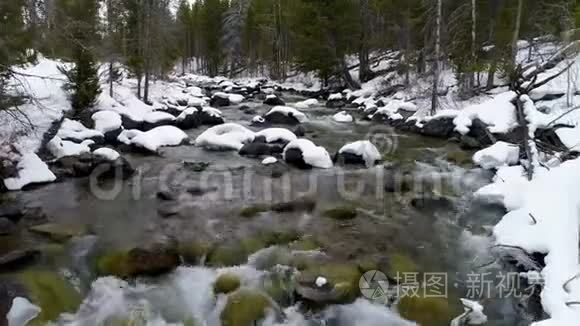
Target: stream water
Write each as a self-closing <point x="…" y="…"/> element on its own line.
<point x="449" y="237"/>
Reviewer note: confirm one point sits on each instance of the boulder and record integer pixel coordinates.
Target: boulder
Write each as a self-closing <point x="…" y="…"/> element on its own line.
<point x="85" y="164"/>
<point x="226" y="283"/>
<point x="273" y="100"/>
<point x="256" y="149"/>
<point x="7" y="227"/>
<point x="18" y="258"/>
<point x="219" y="101"/>
<point x="129" y="123"/>
<point x="245" y="307"/>
<point x="150" y="260"/>
<point x="439" y="127"/>
<point x="341" y="287"/>
<point x="281" y="118"/>
<point x="294" y="156"/>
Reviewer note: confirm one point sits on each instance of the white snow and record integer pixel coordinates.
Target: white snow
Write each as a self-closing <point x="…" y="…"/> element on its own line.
<point x="288" y="111"/>
<point x="497" y="155"/>
<point x="153" y="139"/>
<point x="391" y="110"/>
<point x="228" y="136"/>
<point x="126" y="136"/>
<point x="234" y="98"/>
<point x="321" y="281"/>
<point x="363" y="148"/>
<point x="306" y="104"/>
<point x="343" y="117"/>
<point x="71" y="129"/>
<point x="107" y="153"/>
<point x="196" y="101"/>
<point x="21" y="312"/>
<point x="498" y="113"/>
<point x="212" y="111"/>
<point x="157" y="116"/>
<point x="106" y="121"/>
<point x="543" y="218"/>
<point x="258" y="119"/>
<point x="61" y="148"/>
<point x="473" y="314"/>
<point x="269" y="160"/>
<point x="316" y="156"/>
<point x="31" y="169"/>
<point x="271" y="97"/>
<point x="335" y="97"/>
<point x="277" y="134"/>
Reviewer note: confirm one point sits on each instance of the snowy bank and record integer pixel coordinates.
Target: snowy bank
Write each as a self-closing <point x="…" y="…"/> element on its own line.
<point x="31" y="170"/>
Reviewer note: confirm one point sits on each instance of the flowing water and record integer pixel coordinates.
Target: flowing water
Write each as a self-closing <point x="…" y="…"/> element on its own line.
<point x="438" y="237"/>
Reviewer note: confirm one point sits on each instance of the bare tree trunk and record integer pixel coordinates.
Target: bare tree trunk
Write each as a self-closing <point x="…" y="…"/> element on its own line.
<point x="473" y="45"/>
<point x="437" y="63"/>
<point x="365" y="72"/>
<point x="516" y="35"/>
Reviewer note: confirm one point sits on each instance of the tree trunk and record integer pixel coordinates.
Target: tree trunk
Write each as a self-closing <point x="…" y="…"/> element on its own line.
<point x="516" y="35"/>
<point x="435" y="95"/>
<point x="111" y="79"/>
<point x="471" y="79"/>
<point x="365" y="72"/>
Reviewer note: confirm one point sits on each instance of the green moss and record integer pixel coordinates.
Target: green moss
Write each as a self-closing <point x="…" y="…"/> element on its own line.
<point x="226" y="283"/>
<point x="193" y="252"/>
<point x="343" y="277"/>
<point x="459" y="157"/>
<point x="254" y="210"/>
<point x="305" y="244"/>
<point x="401" y="264"/>
<point x="51" y="293"/>
<point x="227" y="255"/>
<point x="274" y="238"/>
<point x="58" y="232"/>
<point x="341" y="213"/>
<point x="116" y="263"/>
<point x="245" y="308"/>
<point x="428" y="310"/>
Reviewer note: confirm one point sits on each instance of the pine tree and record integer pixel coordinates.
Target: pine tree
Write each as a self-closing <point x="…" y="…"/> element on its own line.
<point x="83" y="80"/>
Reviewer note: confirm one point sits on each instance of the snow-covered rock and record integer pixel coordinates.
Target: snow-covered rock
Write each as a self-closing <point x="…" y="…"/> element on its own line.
<point x="359" y="152"/>
<point x="107" y="121"/>
<point x="76" y="131"/>
<point x="306" y="104"/>
<point x="195" y="117"/>
<point x="335" y="101"/>
<point x="274" y="135"/>
<point x="273" y="100"/>
<point x="31" y="170"/>
<point x="497" y="155"/>
<point x="391" y="110"/>
<point x="285" y="115"/>
<point x="343" y="117"/>
<point x="228" y="136"/>
<point x="107" y="153"/>
<point x="305" y="154"/>
<point x="153" y="139"/>
<point x="22" y="312"/>
<point x="258" y="120"/>
<point x="226" y="99"/>
<point x="155" y="119"/>
<point x="269" y="160"/>
<point x="61" y="148"/>
<point x="473" y="314"/>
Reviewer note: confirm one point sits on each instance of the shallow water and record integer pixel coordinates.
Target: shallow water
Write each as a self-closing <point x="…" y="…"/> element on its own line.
<point x="121" y="214"/>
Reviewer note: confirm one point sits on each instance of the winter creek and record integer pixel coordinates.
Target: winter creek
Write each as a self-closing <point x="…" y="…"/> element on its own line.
<point x="434" y="238"/>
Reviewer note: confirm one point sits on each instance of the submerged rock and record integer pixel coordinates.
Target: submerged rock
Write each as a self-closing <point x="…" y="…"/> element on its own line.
<point x="152" y="260"/>
<point x="428" y="310"/>
<point x="58" y="232"/>
<point x="257" y="149"/>
<point x="50" y="292"/>
<point x="297" y="205"/>
<point x="341" y="213"/>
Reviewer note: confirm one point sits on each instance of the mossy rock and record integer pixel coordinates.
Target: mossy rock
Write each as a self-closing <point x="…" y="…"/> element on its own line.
<point x="116" y="263"/>
<point x="461" y="158"/>
<point x="428" y="310"/>
<point x="343" y="280"/>
<point x="51" y="293"/>
<point x="227" y="255"/>
<point x="58" y="232"/>
<point x="226" y="283"/>
<point x="302" y="204"/>
<point x="152" y="261"/>
<point x="245" y="307"/>
<point x="276" y="238"/>
<point x="254" y="210"/>
<point x="341" y="213"/>
<point x="305" y="244"/>
<point x="194" y="252"/>
<point x="401" y="264"/>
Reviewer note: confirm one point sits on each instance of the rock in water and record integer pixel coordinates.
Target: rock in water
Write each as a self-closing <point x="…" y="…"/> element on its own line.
<point x="245" y="308"/>
<point x="273" y="100"/>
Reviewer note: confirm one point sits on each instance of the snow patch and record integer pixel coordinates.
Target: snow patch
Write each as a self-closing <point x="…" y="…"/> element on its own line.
<point x="153" y="139"/>
<point x="363" y="148"/>
<point x="497" y="155"/>
<point x="273" y="135"/>
<point x="31" y="169"/>
<point x="61" y="148"/>
<point x="107" y="153"/>
<point x="343" y="117"/>
<point x="269" y="160"/>
<point x="106" y="121"/>
<point x="228" y="136"/>
<point x="316" y="156"/>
